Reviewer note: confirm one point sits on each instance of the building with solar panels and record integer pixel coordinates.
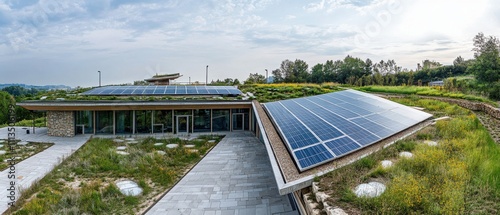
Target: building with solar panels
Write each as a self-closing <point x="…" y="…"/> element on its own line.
<point x="304" y="137"/>
<point x="127" y="117"/>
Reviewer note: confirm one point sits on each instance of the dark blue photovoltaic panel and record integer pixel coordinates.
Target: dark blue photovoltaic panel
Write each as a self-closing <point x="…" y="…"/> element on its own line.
<point x="160" y="90"/>
<point x="212" y="91"/>
<point x="342" y="146"/>
<point x="163" y="90"/>
<point x="149" y="90"/>
<point x="192" y="90"/>
<point x="296" y="134"/>
<point x="342" y="122"/>
<point x="313" y="155"/>
<point x="128" y="90"/>
<point x="375" y="128"/>
<point x="202" y="90"/>
<point x="171" y="90"/>
<point x="322" y="129"/>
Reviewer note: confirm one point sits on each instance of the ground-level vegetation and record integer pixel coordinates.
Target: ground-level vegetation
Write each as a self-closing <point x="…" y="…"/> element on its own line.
<point x="19" y="151"/>
<point x="458" y="176"/>
<point x="424" y="91"/>
<point x="85" y="182"/>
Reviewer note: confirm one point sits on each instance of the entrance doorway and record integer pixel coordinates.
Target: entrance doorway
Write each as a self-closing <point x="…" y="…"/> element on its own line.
<point x="238" y="121"/>
<point x="182" y="124"/>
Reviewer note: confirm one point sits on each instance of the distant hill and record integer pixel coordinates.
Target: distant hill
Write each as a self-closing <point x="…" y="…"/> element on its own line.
<point x="45" y="87"/>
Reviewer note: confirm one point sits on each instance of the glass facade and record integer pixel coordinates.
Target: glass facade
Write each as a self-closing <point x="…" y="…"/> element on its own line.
<point x="162" y="121"/>
<point x="220" y="120"/>
<point x="84" y="122"/>
<point x="201" y="120"/>
<point x="124" y="122"/>
<point x="104" y="122"/>
<point x="241" y="119"/>
<point x="143" y="123"/>
<point x="183" y="121"/>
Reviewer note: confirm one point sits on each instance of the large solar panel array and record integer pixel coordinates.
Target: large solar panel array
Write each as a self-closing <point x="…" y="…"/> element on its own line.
<point x="321" y="128"/>
<point x="162" y="90"/>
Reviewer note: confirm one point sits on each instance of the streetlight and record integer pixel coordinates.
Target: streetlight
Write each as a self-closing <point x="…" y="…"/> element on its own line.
<point x="206" y="77"/>
<point x="266" y="77"/>
<point x="99" y="78"/>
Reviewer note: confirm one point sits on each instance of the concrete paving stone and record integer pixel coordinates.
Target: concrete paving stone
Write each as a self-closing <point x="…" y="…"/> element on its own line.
<point x="36" y="167"/>
<point x="232" y="178"/>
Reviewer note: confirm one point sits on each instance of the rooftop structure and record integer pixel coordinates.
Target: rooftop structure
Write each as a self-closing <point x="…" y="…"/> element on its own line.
<point x="163" y="90"/>
<point x="304" y="137"/>
<point x="163" y="79"/>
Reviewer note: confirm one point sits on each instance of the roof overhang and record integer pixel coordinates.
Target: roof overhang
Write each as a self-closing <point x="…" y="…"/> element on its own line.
<point x="288" y="177"/>
<point x="130" y="105"/>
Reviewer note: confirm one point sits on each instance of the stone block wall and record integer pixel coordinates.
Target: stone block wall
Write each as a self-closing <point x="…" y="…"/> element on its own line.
<point x="61" y="123"/>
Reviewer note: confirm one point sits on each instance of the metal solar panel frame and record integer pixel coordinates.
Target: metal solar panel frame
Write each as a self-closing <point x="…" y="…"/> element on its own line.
<point x="153" y="90"/>
<point x="375" y="110"/>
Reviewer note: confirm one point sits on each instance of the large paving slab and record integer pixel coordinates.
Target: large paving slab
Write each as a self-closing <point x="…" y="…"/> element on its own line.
<point x="234" y="178"/>
<point x="37" y="166"/>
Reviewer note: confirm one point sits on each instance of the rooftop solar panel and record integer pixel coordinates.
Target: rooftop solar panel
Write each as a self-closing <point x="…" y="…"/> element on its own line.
<point x="163" y="90"/>
<point x="322" y="128"/>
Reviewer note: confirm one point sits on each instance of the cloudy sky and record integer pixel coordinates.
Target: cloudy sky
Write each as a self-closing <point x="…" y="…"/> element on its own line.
<point x="68" y="41"/>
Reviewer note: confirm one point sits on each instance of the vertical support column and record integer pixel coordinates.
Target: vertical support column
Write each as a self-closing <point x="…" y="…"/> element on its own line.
<point x="133" y="121"/>
<point x="230" y="119"/>
<point x="211" y="120"/>
<point x="173" y="121"/>
<point x="94" y="121"/>
<point x="152" y="121"/>
<point x="114" y="122"/>
<point x="192" y="121"/>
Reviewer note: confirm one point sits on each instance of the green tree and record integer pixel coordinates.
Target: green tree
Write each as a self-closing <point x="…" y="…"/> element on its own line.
<point x="5" y="100"/>
<point x="486" y="67"/>
<point x="255" y="78"/>
<point x="318" y="74"/>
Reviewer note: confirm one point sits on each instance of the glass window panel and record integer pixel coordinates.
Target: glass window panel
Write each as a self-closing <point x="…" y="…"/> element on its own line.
<point x="201" y="120"/>
<point x="163" y="121"/>
<point x="84" y="120"/>
<point x="104" y="122"/>
<point x="143" y="121"/>
<point x="220" y="120"/>
<point x="124" y="122"/>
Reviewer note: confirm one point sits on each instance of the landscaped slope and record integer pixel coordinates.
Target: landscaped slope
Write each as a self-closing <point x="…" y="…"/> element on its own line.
<point x="458" y="176"/>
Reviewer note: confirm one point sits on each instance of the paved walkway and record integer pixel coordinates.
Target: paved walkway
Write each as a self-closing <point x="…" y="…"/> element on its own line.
<point x="37" y="166"/>
<point x="234" y="178"/>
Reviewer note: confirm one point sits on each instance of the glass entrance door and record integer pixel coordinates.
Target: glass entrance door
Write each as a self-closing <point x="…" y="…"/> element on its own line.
<point x="182" y="124"/>
<point x="238" y="122"/>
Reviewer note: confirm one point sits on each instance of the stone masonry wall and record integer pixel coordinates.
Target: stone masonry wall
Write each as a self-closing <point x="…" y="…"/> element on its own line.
<point x="60" y="123"/>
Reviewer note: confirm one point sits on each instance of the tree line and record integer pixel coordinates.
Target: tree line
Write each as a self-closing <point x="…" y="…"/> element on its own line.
<point x="485" y="66"/>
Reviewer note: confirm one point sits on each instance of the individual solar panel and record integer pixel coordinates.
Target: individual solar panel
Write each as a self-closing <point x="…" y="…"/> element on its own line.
<point x="322" y="128"/>
<point x="191" y="90"/>
<point x="202" y="90"/>
<point x="163" y="90"/>
<point x="170" y="90"/>
<point x="313" y="155"/>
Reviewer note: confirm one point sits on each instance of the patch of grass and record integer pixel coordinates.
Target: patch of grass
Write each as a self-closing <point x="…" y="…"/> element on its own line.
<point x="459" y="176"/>
<point x="425" y="91"/>
<point x="274" y="92"/>
<point x="95" y="168"/>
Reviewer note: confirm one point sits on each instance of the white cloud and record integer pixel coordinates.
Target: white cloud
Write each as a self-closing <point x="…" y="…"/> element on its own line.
<point x="235" y="37"/>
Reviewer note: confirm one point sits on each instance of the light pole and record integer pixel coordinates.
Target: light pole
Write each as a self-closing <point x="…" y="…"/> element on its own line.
<point x="266" y="77"/>
<point x="206" y="77"/>
<point x="99" y="78"/>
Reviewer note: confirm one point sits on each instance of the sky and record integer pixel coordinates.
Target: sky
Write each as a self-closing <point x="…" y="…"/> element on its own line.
<point x="50" y="42"/>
